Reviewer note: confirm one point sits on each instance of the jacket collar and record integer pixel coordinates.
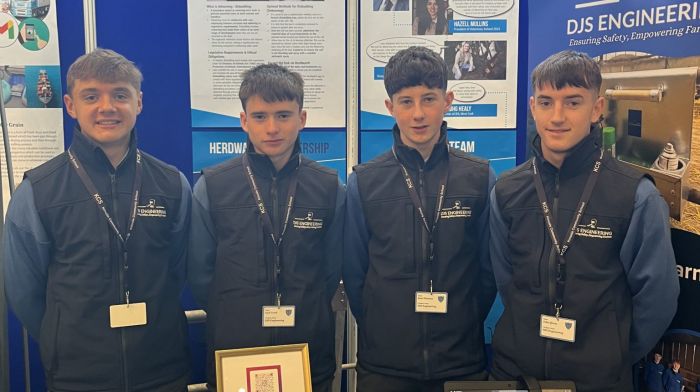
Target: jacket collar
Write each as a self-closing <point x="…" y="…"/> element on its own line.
<point x="410" y="157"/>
<point x="579" y="159"/>
<point x="262" y="165"/>
<point x="92" y="156"/>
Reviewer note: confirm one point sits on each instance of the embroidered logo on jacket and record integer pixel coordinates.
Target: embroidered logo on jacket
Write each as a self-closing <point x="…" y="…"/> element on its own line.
<point x="308" y="223"/>
<point x="592" y="230"/>
<point x="456" y="211"/>
<point x="151" y="210"/>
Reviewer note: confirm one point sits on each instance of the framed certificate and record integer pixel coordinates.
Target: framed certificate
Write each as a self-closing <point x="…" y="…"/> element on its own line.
<point x="264" y="369"/>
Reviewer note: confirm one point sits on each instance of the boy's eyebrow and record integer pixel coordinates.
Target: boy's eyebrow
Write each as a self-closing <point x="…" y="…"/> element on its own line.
<point x="92" y="90"/>
<point x="544" y="96"/>
<point x="429" y="93"/>
<point x="267" y="112"/>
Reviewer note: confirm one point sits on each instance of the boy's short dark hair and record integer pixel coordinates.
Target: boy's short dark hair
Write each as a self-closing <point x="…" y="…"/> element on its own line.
<point x="567" y="68"/>
<point x="273" y="83"/>
<point x="415" y="66"/>
<point x="106" y="66"/>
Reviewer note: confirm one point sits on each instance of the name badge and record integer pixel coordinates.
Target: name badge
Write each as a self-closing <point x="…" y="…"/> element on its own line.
<point x="427" y="302"/>
<point x="561" y="328"/>
<point x="278" y="316"/>
<point x="127" y="315"/>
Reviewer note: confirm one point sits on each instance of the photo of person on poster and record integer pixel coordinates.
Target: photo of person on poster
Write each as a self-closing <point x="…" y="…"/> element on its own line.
<point x="476" y="60"/>
<point x="464" y="60"/>
<point x="430" y="17"/>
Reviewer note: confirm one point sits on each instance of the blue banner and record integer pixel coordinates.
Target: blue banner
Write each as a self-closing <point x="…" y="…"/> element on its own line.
<point x="658" y="27"/>
<point x="211" y="148"/>
<point x="496" y="146"/>
<point x="473" y="110"/>
<point x="478" y="26"/>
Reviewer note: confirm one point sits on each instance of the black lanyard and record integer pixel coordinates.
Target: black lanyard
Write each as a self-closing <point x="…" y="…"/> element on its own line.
<point x="418" y="205"/>
<point x="136" y="189"/>
<point x="561" y="248"/>
<point x="267" y="222"/>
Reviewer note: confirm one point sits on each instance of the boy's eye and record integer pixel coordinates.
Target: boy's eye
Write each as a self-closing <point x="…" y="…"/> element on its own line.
<point x="258" y="117"/>
<point x="405" y="101"/>
<point x="89" y="98"/>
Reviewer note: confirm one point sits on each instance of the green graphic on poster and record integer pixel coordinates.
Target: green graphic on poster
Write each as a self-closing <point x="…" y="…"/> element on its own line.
<point x="33" y="34"/>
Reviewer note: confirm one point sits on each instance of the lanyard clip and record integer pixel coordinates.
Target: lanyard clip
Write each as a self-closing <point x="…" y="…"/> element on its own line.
<point x="431" y="286"/>
<point x="278" y="299"/>
<point x="557" y="308"/>
<point x="127" y="298"/>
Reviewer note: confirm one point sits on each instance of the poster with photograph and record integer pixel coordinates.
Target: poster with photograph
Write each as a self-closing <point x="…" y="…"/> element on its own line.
<point x="228" y="37"/>
<point x="478" y="40"/>
<point x="30" y="81"/>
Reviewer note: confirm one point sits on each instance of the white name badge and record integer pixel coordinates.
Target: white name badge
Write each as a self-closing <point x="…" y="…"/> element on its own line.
<point x="561" y="328"/>
<point x="127" y="315"/>
<point x="427" y="302"/>
<point x="278" y="316"/>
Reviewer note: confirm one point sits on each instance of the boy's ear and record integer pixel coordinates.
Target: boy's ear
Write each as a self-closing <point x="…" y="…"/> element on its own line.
<point x="139" y="102"/>
<point x="303" y="119"/>
<point x="244" y="122"/>
<point x="68" y="103"/>
<point x="389" y="106"/>
<point x="597" y="109"/>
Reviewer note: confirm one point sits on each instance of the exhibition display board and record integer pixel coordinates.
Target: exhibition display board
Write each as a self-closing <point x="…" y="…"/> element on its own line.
<point x="31" y="85"/>
<point x="477" y="39"/>
<point x="227" y="38"/>
<point x="479" y="42"/>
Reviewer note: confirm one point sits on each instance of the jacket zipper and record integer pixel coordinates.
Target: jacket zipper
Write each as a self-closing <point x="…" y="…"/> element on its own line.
<point x="551" y="266"/>
<point x="275" y="262"/>
<point x="115" y="212"/>
<point x="422" y="276"/>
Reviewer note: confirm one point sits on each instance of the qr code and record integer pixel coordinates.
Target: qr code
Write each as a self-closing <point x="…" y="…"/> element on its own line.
<point x="266" y="382"/>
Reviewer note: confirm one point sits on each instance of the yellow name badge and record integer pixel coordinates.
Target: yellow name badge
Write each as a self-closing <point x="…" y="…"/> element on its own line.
<point x="427" y="302"/>
<point x="127" y="315"/>
<point x="278" y="316"/>
<point x="561" y="328"/>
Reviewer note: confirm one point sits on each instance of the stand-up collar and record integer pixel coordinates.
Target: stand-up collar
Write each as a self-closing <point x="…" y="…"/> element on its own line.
<point x="580" y="158"/>
<point x="410" y="157"/>
<point x="262" y="165"/>
<point x="91" y="154"/>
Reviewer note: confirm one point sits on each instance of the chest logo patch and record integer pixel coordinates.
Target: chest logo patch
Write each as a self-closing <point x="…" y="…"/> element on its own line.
<point x="592" y="230"/>
<point x="151" y="210"/>
<point x="456" y="211"/>
<point x="308" y="223"/>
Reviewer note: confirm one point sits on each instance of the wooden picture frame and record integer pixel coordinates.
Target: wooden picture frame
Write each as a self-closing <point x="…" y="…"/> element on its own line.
<point x="273" y="368"/>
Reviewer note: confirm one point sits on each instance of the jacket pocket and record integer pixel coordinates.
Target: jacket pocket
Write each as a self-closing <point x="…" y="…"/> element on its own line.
<point x="48" y="340"/>
<point x="595" y="359"/>
<point x="241" y="249"/>
<point x="304" y="243"/>
<point x="528" y="253"/>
